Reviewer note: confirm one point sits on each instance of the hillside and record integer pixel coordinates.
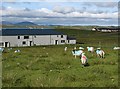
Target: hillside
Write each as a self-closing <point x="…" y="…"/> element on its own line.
<point x="26" y="24"/>
<point x="6" y="23"/>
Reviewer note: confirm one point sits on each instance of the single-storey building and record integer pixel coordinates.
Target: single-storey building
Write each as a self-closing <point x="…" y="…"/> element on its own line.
<point x="106" y="29"/>
<point x="32" y="37"/>
<point x="71" y="40"/>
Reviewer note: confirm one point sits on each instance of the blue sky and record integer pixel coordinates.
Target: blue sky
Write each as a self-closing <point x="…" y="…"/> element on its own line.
<point x="64" y="12"/>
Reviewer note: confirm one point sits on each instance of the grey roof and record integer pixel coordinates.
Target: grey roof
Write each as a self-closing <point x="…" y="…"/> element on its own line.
<point x="71" y="38"/>
<point x="14" y="32"/>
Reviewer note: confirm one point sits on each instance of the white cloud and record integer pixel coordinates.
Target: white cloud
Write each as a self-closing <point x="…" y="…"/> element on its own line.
<point x="61" y="9"/>
<point x="67" y="15"/>
<point x="44" y="12"/>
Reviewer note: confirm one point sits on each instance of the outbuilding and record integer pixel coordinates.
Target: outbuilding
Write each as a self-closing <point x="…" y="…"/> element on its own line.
<point x="32" y="37"/>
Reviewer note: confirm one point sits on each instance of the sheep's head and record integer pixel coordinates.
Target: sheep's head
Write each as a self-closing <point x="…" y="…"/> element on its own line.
<point x="87" y="47"/>
<point x="83" y="54"/>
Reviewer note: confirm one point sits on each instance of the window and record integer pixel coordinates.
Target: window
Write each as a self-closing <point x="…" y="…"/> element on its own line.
<point x="61" y="36"/>
<point x="68" y="41"/>
<point x="24" y="42"/>
<point x="18" y="37"/>
<point x="57" y="36"/>
<point x="26" y="37"/>
<point x="1" y="44"/>
<point x="62" y="41"/>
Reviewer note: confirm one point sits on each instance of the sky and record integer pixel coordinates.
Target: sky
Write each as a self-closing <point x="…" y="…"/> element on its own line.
<point x="61" y="12"/>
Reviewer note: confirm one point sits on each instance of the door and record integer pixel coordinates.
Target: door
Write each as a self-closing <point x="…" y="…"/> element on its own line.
<point x="56" y="42"/>
<point x="7" y="44"/>
<point x="31" y="43"/>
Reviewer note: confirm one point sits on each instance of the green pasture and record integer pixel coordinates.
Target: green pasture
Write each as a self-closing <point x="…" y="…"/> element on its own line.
<point x="50" y="66"/>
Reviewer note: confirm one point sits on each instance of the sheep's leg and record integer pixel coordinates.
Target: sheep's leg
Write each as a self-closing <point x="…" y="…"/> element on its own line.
<point x="75" y="56"/>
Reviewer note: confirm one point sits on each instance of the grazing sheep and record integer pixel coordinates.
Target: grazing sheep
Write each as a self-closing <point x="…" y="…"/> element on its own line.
<point x="65" y="49"/>
<point x="90" y="49"/>
<point x="75" y="48"/>
<point x="17" y="51"/>
<point x="77" y="53"/>
<point x="100" y="53"/>
<point x="1" y="49"/>
<point x="116" y="48"/>
<point x="83" y="59"/>
<point x="81" y="48"/>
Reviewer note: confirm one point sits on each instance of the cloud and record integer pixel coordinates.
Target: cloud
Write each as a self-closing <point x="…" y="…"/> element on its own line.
<point x="57" y="12"/>
<point x="58" y="15"/>
<point x="26" y="9"/>
<point x="102" y="4"/>
<point x="106" y="4"/>
<point x="2" y="7"/>
<point x="64" y="10"/>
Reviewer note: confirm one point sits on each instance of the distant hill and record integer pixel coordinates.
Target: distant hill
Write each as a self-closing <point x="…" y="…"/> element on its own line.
<point x="6" y="23"/>
<point x="26" y="24"/>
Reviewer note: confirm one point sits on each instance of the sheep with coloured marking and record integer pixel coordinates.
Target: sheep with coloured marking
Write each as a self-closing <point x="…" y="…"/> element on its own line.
<point x="100" y="53"/>
<point x="90" y="49"/>
<point x="84" y="60"/>
<point x="1" y="49"/>
<point x="77" y="52"/>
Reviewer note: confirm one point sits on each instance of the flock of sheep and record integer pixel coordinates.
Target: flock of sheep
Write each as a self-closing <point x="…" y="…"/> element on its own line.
<point x="99" y="52"/>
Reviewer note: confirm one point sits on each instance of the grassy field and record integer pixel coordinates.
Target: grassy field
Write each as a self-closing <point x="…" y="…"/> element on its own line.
<point x="50" y="66"/>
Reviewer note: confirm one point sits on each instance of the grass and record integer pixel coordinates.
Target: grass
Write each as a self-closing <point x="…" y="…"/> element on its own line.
<point x="50" y="66"/>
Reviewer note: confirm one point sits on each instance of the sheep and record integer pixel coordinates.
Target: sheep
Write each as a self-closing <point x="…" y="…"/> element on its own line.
<point x="83" y="59"/>
<point x="90" y="49"/>
<point x="65" y="49"/>
<point x="100" y="53"/>
<point x="1" y="49"/>
<point x="75" y="48"/>
<point x="16" y="51"/>
<point x="116" y="48"/>
<point x="77" y="53"/>
<point x="81" y="48"/>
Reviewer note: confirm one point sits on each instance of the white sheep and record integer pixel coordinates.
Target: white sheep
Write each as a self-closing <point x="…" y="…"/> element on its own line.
<point x="81" y="48"/>
<point x="65" y="49"/>
<point x="116" y="48"/>
<point x="100" y="53"/>
<point x="17" y="51"/>
<point x="75" y="48"/>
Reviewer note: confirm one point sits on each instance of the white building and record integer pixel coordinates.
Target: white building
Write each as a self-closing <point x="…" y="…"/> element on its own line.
<point x="32" y="37"/>
<point x="106" y="29"/>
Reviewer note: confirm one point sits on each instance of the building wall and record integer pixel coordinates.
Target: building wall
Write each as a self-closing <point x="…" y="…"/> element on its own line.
<point x="71" y="41"/>
<point x="59" y="38"/>
<point x="13" y="41"/>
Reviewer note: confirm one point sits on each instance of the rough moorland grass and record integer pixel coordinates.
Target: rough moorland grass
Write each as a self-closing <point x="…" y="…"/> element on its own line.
<point x="50" y="66"/>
